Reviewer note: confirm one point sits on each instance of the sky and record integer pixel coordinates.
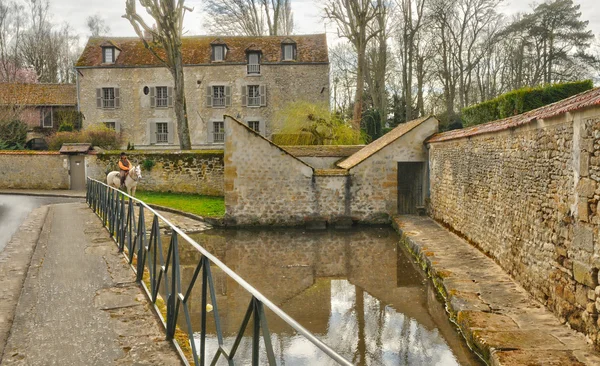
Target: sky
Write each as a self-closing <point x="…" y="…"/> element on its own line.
<point x="307" y="15"/>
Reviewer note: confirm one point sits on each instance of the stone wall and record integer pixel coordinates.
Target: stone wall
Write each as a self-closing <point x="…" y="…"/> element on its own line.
<point x="284" y="83"/>
<point x="528" y="197"/>
<point x="29" y="170"/>
<point x="198" y="172"/>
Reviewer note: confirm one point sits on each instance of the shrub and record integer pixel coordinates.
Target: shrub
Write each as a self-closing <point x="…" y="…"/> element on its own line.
<point x="99" y="135"/>
<point x="55" y="141"/>
<point x="13" y="134"/>
<point x="102" y="136"/>
<point x="147" y="164"/>
<point x="65" y="127"/>
<point x="520" y="101"/>
<point x="313" y="124"/>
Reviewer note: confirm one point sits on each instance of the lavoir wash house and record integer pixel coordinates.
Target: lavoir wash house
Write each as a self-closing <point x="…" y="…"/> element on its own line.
<point x="122" y="85"/>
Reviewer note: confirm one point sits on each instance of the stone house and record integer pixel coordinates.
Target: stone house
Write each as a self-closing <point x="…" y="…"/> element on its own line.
<point x="122" y="85"/>
<point x="38" y="105"/>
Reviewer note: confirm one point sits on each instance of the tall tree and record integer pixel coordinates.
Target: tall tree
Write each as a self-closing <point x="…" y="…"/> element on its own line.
<point x="353" y="19"/>
<point x="250" y="17"/>
<point x="557" y="36"/>
<point x="166" y="47"/>
<point x="97" y="25"/>
<point x="12" y="19"/>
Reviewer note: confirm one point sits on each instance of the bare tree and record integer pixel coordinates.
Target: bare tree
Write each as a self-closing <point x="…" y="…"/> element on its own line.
<point x="12" y="17"/>
<point x="250" y="17"/>
<point x="97" y="25"/>
<point x="343" y="74"/>
<point x="353" y="18"/>
<point x="166" y="47"/>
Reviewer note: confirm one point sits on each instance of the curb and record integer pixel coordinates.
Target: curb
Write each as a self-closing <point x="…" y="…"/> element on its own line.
<point x="42" y="194"/>
<point x="209" y="220"/>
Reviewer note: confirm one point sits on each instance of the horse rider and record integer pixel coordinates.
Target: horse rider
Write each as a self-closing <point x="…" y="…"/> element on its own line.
<point x="124" y="166"/>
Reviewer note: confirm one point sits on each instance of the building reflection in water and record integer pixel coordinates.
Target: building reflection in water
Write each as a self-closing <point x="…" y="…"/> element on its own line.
<point x="357" y="290"/>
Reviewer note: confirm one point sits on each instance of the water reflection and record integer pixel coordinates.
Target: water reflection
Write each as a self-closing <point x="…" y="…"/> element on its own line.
<point x="356" y="290"/>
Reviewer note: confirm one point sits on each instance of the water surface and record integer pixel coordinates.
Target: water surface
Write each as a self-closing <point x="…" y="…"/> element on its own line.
<point x="357" y="290"/>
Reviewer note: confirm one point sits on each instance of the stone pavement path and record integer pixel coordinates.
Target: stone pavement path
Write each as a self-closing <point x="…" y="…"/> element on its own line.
<point x="499" y="319"/>
<point x="79" y="304"/>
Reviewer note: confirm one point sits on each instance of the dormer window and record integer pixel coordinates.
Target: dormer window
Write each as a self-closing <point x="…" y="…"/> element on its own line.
<point x="219" y="52"/>
<point x="254" y="63"/>
<point x="108" y="55"/>
<point x="288" y="52"/>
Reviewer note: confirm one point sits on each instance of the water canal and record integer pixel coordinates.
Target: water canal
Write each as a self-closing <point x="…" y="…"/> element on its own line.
<point x="357" y="290"/>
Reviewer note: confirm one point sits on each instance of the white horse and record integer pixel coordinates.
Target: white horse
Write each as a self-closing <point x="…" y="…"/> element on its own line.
<point x="113" y="179"/>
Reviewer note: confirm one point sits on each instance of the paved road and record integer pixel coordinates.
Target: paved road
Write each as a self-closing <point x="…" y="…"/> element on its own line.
<point x="15" y="208"/>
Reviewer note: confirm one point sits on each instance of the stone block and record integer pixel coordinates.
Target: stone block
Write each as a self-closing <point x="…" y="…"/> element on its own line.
<point x="583" y="238"/>
<point x="585" y="274"/>
<point x="586" y="187"/>
<point x="587" y="145"/>
<point x="584" y="165"/>
<point x="560" y="251"/>
<point x="581" y="296"/>
<point x="583" y="211"/>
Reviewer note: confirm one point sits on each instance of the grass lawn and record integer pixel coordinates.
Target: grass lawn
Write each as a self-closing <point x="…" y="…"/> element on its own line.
<point x="192" y="203"/>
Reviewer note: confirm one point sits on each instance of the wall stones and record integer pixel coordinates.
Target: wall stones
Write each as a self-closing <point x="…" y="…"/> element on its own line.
<point x="529" y="197"/>
<point x="30" y="170"/>
<point x="199" y="172"/>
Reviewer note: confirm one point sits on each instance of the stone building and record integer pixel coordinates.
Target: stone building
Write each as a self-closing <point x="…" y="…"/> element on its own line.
<point x="380" y="180"/>
<point x="122" y="85"/>
<point x="41" y="106"/>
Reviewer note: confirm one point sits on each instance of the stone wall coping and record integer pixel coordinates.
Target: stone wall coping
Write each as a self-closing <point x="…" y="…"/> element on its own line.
<point x="580" y="101"/>
<point x="341" y="151"/>
<point x="331" y="172"/>
<point x="162" y="152"/>
<point x="27" y="152"/>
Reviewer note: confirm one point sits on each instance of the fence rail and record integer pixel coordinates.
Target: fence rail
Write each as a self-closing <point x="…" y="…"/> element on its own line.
<point x="117" y="210"/>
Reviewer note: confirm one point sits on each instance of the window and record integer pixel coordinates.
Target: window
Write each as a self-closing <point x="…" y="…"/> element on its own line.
<point x="46" y="117"/>
<point x="111" y="125"/>
<point x="254" y="125"/>
<point x="219" y="52"/>
<point x="162" y="133"/>
<point x="108" y="55"/>
<point x="108" y="97"/>
<point x="254" y="63"/>
<point x="162" y="98"/>
<point x="288" y="52"/>
<point x="218" y="96"/>
<point x="253" y="96"/>
<point x="219" y="131"/>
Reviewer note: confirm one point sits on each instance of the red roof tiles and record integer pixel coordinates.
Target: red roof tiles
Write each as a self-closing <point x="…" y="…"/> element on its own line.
<point x="197" y="50"/>
<point x="581" y="100"/>
<point x="38" y="94"/>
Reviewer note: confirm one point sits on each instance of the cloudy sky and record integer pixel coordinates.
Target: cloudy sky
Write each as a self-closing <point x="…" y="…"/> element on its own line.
<point x="307" y="15"/>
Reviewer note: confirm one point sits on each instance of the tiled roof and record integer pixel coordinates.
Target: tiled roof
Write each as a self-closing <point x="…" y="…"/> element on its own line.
<point x="322" y="151"/>
<point x="381" y="142"/>
<point x="69" y="148"/>
<point x="38" y="94"/>
<point x="197" y="50"/>
<point x="581" y="100"/>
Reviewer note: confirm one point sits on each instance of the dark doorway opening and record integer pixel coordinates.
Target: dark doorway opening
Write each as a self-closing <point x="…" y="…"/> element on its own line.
<point x="410" y="187"/>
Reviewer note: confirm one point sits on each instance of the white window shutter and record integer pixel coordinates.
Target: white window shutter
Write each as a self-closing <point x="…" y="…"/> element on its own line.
<point x="170" y="96"/>
<point x="118" y="126"/>
<point x="263" y="95"/>
<point x="152" y="132"/>
<point x="99" y="98"/>
<point x="170" y="132"/>
<point x="117" y="98"/>
<point x="209" y="96"/>
<point x="261" y="128"/>
<point x="152" y="97"/>
<point x="211" y="132"/>
<point x="227" y="96"/>
<point x="244" y="95"/>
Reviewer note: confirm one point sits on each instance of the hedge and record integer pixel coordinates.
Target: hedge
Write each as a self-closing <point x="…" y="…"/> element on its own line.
<point x="520" y="101"/>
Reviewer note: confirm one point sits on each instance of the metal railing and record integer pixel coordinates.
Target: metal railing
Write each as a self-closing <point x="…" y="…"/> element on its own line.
<point x="253" y="68"/>
<point x="117" y="210"/>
